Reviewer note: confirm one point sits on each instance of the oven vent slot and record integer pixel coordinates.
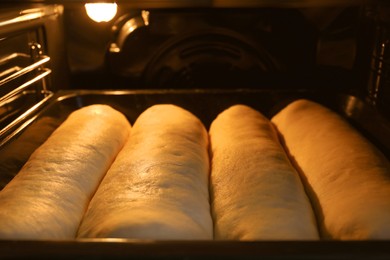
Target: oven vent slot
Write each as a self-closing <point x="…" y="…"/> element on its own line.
<point x="24" y="80"/>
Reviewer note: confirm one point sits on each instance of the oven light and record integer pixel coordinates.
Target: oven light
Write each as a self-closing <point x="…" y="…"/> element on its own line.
<point x="101" y="12"/>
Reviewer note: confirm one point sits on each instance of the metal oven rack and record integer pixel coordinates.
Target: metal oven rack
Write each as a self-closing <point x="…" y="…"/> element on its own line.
<point x="27" y="65"/>
<point x="24" y="80"/>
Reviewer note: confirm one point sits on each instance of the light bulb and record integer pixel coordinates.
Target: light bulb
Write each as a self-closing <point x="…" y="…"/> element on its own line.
<point x="101" y="12"/>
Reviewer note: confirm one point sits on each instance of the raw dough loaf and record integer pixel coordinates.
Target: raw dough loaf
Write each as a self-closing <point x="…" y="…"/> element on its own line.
<point x="256" y="193"/>
<point x="157" y="188"/>
<point x="348" y="177"/>
<point x="48" y="197"/>
<point x="16" y="153"/>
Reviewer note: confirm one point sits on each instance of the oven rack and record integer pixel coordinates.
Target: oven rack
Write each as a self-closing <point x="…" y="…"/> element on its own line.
<point x="24" y="80"/>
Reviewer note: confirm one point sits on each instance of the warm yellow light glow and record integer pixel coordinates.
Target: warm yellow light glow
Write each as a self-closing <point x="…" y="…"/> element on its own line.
<point x="101" y="12"/>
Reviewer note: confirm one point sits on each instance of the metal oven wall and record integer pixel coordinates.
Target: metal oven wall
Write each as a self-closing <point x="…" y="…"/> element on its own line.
<point x="339" y="47"/>
<point x="317" y="47"/>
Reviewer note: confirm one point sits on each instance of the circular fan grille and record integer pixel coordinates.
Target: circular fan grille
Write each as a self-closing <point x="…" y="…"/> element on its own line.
<point x="215" y="58"/>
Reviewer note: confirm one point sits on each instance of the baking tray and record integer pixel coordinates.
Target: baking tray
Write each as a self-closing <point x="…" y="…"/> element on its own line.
<point x="20" y="141"/>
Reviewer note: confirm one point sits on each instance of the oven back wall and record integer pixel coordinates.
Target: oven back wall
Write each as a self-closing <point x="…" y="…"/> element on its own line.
<point x="215" y="48"/>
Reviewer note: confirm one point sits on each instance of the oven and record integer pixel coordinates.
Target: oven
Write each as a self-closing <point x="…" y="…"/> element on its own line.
<point x="203" y="56"/>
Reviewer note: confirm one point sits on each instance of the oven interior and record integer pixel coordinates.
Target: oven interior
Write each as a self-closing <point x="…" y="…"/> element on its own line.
<point x="203" y="56"/>
<point x="336" y="47"/>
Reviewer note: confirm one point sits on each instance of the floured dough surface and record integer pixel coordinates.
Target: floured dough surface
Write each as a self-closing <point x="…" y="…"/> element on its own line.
<point x="256" y="194"/>
<point x="48" y="197"/>
<point x="157" y="188"/>
<point x="348" y="177"/>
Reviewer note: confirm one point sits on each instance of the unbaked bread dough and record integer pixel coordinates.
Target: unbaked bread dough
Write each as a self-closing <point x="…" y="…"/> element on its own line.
<point x="256" y="193"/>
<point x="48" y="197"/>
<point x="157" y="188"/>
<point x="348" y="178"/>
<point x="15" y="154"/>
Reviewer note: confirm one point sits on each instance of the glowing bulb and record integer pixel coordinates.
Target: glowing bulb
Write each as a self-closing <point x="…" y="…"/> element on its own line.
<point x="101" y="12"/>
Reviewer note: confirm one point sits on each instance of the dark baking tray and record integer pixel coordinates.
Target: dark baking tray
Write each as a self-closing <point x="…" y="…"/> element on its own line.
<point x="19" y="142"/>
